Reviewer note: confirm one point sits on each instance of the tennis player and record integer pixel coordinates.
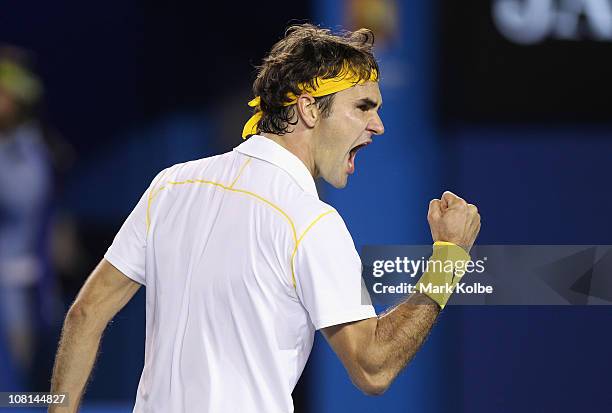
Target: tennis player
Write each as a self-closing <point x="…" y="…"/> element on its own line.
<point x="242" y="261"/>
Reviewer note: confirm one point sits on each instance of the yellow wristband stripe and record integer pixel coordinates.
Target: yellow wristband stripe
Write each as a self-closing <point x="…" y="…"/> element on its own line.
<point x="439" y="281"/>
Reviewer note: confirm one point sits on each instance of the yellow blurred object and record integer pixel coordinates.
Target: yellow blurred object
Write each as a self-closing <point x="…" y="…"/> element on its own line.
<point x="380" y="16"/>
<point x="19" y="82"/>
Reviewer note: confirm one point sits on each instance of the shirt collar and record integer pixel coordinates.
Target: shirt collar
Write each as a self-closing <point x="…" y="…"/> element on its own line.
<point x="266" y="149"/>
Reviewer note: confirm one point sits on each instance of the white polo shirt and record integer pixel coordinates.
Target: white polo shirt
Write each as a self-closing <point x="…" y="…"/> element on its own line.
<point x="242" y="263"/>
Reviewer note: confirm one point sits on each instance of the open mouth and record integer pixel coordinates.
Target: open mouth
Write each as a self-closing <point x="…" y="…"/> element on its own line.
<point x="352" y="154"/>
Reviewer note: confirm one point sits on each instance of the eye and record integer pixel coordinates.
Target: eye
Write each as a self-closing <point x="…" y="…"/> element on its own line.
<point x="363" y="108"/>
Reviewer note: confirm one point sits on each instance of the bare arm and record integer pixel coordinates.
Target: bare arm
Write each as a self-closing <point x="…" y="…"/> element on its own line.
<point x="375" y="350"/>
<point x="105" y="292"/>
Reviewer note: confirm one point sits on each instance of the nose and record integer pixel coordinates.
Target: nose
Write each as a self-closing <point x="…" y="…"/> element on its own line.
<point x="375" y="126"/>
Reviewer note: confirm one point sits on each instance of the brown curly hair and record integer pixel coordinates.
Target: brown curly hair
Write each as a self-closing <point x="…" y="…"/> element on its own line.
<point x="305" y="53"/>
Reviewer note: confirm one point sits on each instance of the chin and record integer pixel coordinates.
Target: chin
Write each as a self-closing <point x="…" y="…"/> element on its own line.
<point x="339" y="184"/>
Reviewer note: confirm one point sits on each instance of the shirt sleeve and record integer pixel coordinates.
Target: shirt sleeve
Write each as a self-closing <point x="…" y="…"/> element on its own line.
<point x="127" y="253"/>
<point x="328" y="275"/>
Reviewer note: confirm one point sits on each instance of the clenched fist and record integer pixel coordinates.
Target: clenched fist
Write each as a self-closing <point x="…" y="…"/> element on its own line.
<point x="451" y="219"/>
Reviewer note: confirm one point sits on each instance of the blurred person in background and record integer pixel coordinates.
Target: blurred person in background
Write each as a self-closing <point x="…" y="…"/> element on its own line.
<point x="27" y="166"/>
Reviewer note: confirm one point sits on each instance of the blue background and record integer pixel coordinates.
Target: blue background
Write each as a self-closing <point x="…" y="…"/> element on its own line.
<point x="115" y="97"/>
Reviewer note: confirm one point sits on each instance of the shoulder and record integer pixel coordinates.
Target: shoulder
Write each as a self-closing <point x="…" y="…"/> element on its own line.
<point x="196" y="168"/>
<point x="213" y="169"/>
<point x="310" y="213"/>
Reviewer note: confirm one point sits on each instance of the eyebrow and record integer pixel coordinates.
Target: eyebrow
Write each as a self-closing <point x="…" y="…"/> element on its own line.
<point x="368" y="102"/>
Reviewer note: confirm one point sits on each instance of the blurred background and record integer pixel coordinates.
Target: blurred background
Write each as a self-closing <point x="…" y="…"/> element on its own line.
<point x="505" y="102"/>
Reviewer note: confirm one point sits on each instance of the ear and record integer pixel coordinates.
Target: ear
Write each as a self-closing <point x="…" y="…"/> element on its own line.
<point x="307" y="110"/>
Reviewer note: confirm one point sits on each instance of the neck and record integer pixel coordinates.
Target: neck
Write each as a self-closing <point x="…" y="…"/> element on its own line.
<point x="299" y="144"/>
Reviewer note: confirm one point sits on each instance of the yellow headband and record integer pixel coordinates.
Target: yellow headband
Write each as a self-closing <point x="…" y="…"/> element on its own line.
<point x="346" y="79"/>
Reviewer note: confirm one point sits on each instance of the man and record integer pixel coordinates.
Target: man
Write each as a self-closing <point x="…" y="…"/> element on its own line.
<point x="241" y="260"/>
<point x="25" y="196"/>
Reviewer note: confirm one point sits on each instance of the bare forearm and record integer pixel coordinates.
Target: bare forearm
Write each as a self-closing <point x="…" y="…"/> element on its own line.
<point x="75" y="358"/>
<point x="399" y="334"/>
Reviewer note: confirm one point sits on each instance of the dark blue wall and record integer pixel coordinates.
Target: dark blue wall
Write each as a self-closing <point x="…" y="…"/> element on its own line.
<point x="535" y="185"/>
